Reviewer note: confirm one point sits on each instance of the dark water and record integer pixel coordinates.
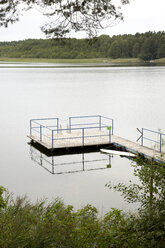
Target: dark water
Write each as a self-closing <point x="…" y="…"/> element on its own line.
<point x="133" y="96"/>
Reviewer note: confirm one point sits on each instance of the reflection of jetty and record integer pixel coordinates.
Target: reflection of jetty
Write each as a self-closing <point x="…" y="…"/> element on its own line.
<point x="81" y="163"/>
<point x="91" y="131"/>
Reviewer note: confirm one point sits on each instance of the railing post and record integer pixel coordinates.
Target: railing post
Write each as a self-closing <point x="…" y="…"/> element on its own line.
<point x="82" y="136"/>
<point x="109" y="136"/>
<point x="52" y="139"/>
<point x="160" y="142"/>
<point x="30" y="127"/>
<point x="100" y="122"/>
<point x="112" y="126"/>
<point x="70" y="124"/>
<point x="142" y="138"/>
<point x="57" y="124"/>
<point x="40" y="132"/>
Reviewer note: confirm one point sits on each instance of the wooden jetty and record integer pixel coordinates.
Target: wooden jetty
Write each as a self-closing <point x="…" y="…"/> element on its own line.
<point x="86" y="134"/>
<point x="136" y="148"/>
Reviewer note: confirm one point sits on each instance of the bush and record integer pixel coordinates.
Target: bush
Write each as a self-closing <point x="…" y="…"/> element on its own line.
<point x="54" y="225"/>
<point x="42" y="225"/>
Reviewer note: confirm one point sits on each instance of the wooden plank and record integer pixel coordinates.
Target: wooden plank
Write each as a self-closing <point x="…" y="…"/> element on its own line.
<point x="91" y="138"/>
<point x="67" y="140"/>
<point x="136" y="148"/>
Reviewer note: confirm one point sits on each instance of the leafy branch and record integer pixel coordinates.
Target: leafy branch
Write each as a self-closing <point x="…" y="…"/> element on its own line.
<point x="66" y="15"/>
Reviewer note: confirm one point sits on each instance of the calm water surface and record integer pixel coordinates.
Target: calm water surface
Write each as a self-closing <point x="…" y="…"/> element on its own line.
<point x="132" y="96"/>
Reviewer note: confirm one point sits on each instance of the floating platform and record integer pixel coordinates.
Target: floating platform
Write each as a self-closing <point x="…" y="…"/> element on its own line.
<point x="86" y="131"/>
<point x="71" y="140"/>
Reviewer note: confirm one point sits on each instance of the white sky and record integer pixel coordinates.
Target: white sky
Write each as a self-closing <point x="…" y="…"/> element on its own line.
<point x="140" y="16"/>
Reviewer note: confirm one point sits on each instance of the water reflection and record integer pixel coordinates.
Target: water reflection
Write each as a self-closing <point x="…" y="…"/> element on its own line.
<point x="150" y="191"/>
<point x="78" y="163"/>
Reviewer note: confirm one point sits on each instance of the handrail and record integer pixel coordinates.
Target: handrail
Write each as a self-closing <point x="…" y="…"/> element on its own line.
<point x="151" y="140"/>
<point x="41" y="126"/>
<point x="153" y="131"/>
<point x="67" y="129"/>
<point x="83" y="136"/>
<point x="159" y="141"/>
<point x="48" y="127"/>
<point x="79" y="137"/>
<point x="106" y="117"/>
<point x="99" y="123"/>
<point x="72" y="127"/>
<point x="78" y="128"/>
<point x="95" y="123"/>
<point x="85" y="116"/>
<point x="44" y="119"/>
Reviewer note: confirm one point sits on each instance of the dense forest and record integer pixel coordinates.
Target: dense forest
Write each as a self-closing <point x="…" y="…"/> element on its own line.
<point x="147" y="46"/>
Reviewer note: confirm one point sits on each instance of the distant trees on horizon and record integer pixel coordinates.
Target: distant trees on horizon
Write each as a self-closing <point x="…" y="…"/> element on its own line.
<point x="147" y="46"/>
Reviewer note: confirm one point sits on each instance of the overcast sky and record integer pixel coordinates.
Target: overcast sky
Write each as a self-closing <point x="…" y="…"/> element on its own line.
<point x="140" y="16"/>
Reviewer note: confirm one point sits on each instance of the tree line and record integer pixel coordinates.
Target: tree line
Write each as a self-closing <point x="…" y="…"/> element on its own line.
<point x="146" y="46"/>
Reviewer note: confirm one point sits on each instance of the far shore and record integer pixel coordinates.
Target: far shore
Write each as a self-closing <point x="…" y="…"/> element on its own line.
<point x="91" y="60"/>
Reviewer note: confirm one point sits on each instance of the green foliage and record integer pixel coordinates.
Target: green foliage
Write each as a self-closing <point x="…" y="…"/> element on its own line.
<point x="147" y="46"/>
<point x="118" y="230"/>
<point x="115" y="50"/>
<point x="23" y="224"/>
<point x="47" y="225"/>
<point x="161" y="51"/>
<point x="149" y="49"/>
<point x="150" y="221"/>
<point x="65" y="16"/>
<point x="2" y="201"/>
<point x="51" y="225"/>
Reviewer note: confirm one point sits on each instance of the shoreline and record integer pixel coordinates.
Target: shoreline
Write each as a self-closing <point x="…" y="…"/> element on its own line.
<point x="99" y="61"/>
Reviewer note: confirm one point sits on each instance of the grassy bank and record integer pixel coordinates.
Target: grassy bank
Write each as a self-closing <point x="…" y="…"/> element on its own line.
<point x="159" y="61"/>
<point x="92" y="60"/>
<point x="128" y="61"/>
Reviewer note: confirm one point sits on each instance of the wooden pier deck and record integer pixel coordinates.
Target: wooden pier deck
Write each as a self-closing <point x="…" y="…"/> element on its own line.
<point x="69" y="140"/>
<point x="90" y="131"/>
<point x="135" y="148"/>
<point x="95" y="138"/>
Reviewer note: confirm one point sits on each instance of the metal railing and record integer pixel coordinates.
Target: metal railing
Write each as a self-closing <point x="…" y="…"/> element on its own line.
<point x="98" y="121"/>
<point x="42" y="128"/>
<point x="83" y="136"/>
<point x="159" y="141"/>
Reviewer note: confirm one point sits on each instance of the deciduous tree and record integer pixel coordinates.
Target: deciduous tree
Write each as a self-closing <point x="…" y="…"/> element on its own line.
<point x="66" y="15"/>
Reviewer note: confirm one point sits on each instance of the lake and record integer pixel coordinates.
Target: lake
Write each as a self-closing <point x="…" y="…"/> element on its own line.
<point x="132" y="96"/>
